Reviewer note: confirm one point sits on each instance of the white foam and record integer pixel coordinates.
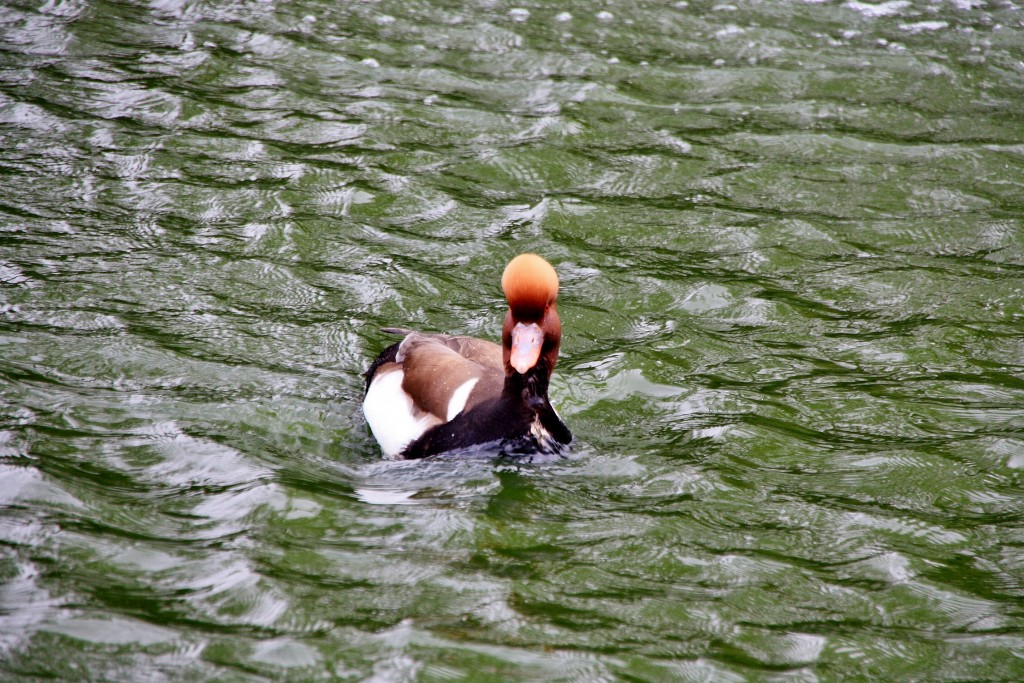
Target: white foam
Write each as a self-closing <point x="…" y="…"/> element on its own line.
<point x="883" y="9"/>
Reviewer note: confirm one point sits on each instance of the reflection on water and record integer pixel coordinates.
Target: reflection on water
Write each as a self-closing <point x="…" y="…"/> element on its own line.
<point x="385" y="496"/>
<point x="790" y="245"/>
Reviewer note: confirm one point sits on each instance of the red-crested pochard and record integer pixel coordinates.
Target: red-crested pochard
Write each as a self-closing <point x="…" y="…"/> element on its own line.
<point x="433" y="393"/>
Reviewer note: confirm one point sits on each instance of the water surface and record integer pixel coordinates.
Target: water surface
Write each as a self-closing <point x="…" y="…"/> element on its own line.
<point x="791" y="246"/>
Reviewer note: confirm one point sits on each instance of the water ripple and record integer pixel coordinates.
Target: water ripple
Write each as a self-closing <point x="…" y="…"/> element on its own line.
<point x="25" y="607"/>
<point x="789" y="242"/>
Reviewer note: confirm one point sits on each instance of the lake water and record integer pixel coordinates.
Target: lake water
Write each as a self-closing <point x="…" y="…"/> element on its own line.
<point x="791" y="243"/>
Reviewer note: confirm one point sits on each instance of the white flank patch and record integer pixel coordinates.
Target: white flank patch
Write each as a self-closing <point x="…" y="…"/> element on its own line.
<point x="389" y="412"/>
<point x="459" y="398"/>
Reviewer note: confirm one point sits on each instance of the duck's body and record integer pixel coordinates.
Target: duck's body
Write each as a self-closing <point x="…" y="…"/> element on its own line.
<point x="433" y="393"/>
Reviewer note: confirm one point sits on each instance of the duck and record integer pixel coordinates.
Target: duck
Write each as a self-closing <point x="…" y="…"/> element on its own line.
<point x="433" y="393"/>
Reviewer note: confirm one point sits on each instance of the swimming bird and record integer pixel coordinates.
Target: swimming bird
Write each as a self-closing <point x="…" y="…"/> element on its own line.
<point x="434" y="393"/>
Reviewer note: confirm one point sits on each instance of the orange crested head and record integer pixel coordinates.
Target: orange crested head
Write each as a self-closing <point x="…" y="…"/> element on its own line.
<point x="530" y="285"/>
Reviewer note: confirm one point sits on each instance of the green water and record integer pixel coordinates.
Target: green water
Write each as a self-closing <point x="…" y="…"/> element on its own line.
<point x="791" y="243"/>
